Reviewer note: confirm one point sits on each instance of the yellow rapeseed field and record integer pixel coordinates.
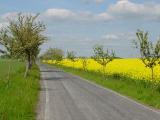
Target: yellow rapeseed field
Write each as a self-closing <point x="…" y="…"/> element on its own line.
<point x="133" y="68"/>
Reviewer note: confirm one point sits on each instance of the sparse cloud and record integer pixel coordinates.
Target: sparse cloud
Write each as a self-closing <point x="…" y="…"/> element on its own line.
<point x="121" y="10"/>
<point x="125" y="9"/>
<point x="59" y="13"/>
<point x="128" y="36"/>
<point x="65" y="14"/>
<point x="124" y="39"/>
<point x="120" y="42"/>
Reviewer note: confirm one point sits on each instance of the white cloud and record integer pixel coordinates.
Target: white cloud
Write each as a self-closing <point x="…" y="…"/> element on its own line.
<point x="122" y="9"/>
<point x="122" y="43"/>
<point x="110" y="37"/>
<point x="130" y="10"/>
<point x="104" y="17"/>
<point x="59" y="13"/>
<point x="65" y="14"/>
<point x="119" y="37"/>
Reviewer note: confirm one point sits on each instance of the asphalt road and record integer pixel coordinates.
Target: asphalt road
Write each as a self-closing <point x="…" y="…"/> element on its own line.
<point x="69" y="97"/>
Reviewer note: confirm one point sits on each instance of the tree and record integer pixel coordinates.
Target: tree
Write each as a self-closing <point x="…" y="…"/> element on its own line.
<point x="71" y="55"/>
<point x="23" y="37"/>
<point x="103" y="57"/>
<point x="58" y="54"/>
<point x="53" y="53"/>
<point x="149" y="52"/>
<point x="84" y="63"/>
<point x="47" y="55"/>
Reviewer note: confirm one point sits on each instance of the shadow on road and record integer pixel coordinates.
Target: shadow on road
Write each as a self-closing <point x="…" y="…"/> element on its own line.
<point x="51" y="71"/>
<point x="53" y="78"/>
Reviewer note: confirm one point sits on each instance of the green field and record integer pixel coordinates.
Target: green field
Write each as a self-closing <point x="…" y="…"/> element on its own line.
<point x="18" y="96"/>
<point x="138" y="90"/>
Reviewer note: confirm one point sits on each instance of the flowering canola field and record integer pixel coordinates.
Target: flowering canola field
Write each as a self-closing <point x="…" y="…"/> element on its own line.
<point x="133" y="68"/>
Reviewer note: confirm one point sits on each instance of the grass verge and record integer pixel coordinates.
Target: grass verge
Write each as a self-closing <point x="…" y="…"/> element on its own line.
<point x="18" y="96"/>
<point x="139" y="90"/>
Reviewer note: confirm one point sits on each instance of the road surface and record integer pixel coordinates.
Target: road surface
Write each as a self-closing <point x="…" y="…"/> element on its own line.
<point x="69" y="97"/>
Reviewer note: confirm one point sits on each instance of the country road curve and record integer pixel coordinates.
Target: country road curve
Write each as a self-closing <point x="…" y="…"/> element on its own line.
<point x="69" y="97"/>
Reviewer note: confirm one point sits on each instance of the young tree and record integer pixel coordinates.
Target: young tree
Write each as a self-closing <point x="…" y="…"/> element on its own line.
<point x="149" y="53"/>
<point x="58" y="54"/>
<point x="103" y="57"/>
<point x="71" y="55"/>
<point x="23" y="37"/>
<point x="84" y="63"/>
<point x="47" y="55"/>
<point x="53" y="53"/>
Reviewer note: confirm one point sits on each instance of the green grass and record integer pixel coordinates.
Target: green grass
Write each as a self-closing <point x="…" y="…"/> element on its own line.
<point x="18" y="96"/>
<point x="138" y="90"/>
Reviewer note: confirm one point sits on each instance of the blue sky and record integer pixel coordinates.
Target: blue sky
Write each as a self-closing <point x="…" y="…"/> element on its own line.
<point x="80" y="24"/>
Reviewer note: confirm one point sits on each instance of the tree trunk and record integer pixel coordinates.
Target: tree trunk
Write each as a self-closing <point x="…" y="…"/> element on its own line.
<point x="104" y="71"/>
<point x="73" y="64"/>
<point x="9" y="69"/>
<point x="28" y="65"/>
<point x="33" y="61"/>
<point x="153" y="82"/>
<point x="152" y="74"/>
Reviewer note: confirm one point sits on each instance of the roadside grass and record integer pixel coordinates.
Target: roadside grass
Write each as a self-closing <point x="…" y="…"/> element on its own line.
<point x="6" y="63"/>
<point x="139" y="90"/>
<point x="18" y="96"/>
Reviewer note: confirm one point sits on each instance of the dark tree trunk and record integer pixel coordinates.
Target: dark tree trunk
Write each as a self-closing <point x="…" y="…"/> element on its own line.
<point x="152" y="74"/>
<point x="33" y="61"/>
<point x="28" y="65"/>
<point x="104" y="71"/>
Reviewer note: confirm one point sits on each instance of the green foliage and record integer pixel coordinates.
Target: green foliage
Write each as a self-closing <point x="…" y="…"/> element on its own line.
<point x="23" y="37"/>
<point x="71" y="55"/>
<point x="53" y="54"/>
<point x="103" y="57"/>
<point x="18" y="99"/>
<point x="150" y="54"/>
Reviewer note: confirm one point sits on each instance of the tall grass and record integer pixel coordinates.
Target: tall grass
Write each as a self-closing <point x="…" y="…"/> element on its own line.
<point x="19" y="96"/>
<point x="139" y="90"/>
